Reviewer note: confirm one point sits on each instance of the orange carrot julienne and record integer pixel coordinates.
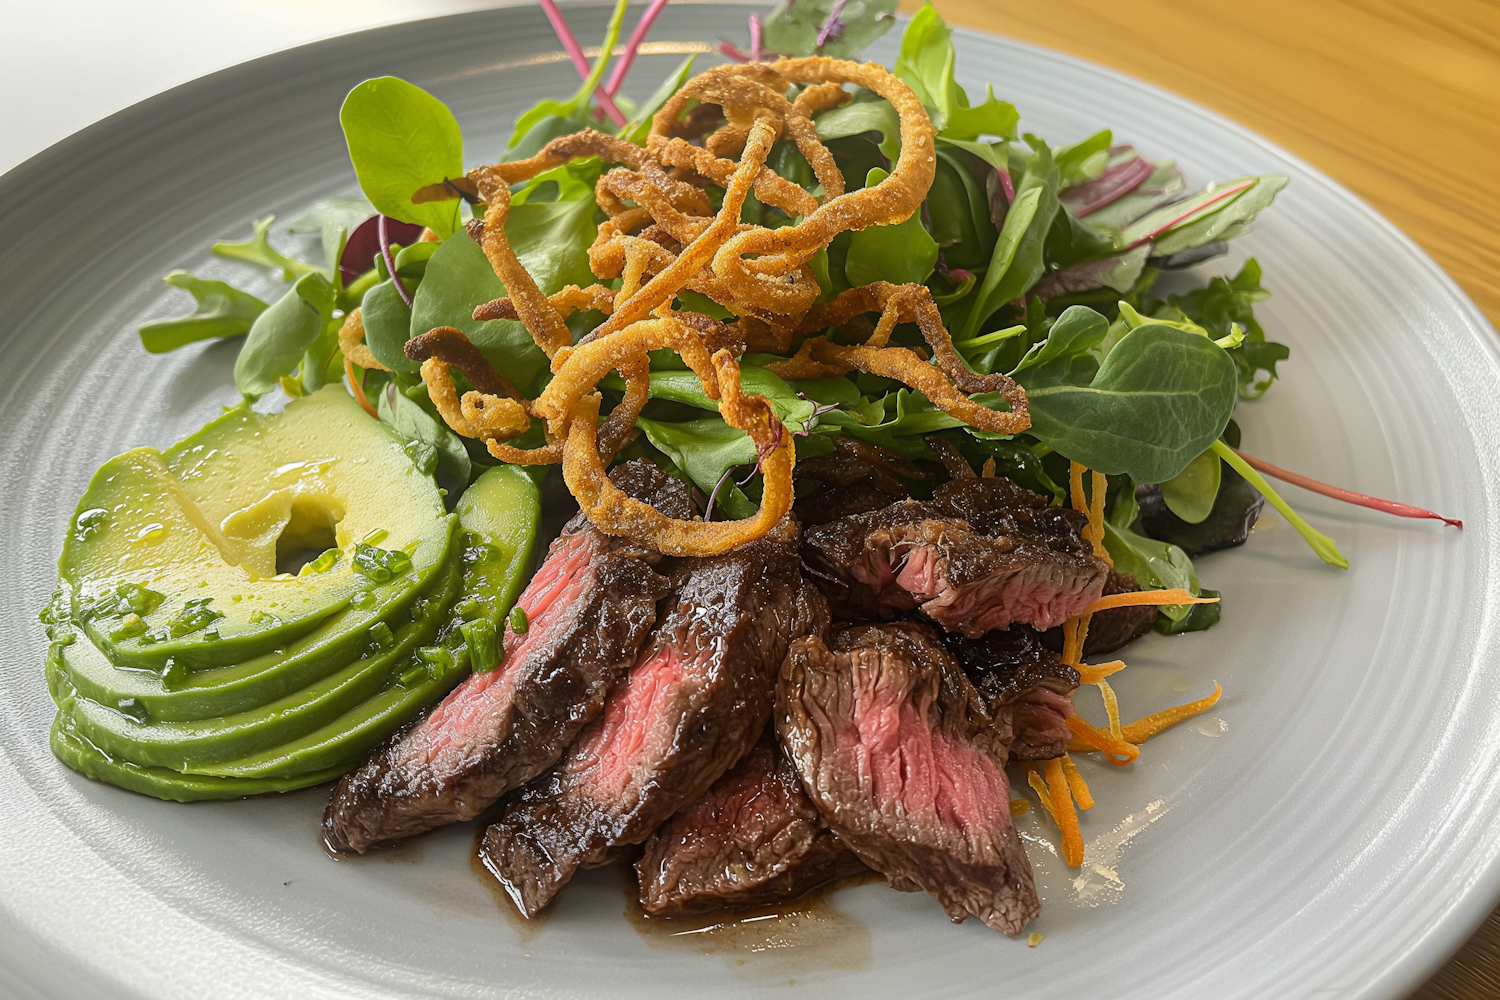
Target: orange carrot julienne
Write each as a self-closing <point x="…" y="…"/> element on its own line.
<point x="1019" y="807"/>
<point x="1076" y="785"/>
<point x="1089" y="738"/>
<point x="1040" y="787"/>
<point x="1075" y="486"/>
<point x="359" y="390"/>
<point x="1096" y="517"/>
<point x="1112" y="706"/>
<point x="1138" y="598"/>
<point x="1064" y="813"/>
<point x="1093" y="673"/>
<point x="1142" y="730"/>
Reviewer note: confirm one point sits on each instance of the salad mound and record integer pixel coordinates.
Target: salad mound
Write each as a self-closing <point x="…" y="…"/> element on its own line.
<point x="787" y="281"/>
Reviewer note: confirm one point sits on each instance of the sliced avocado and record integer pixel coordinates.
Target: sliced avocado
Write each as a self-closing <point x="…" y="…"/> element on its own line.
<point x="336" y="642"/>
<point x="91" y="762"/>
<point x="182" y="746"/>
<point x="499" y="514"/>
<point x="172" y="556"/>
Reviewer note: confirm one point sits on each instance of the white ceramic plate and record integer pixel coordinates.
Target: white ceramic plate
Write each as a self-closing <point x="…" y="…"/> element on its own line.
<point x="1335" y="836"/>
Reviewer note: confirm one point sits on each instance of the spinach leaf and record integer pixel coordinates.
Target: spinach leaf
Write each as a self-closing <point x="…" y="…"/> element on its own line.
<point x="282" y="334"/>
<point x="684" y="387"/>
<point x="926" y="64"/>
<point x="551" y="239"/>
<point x="402" y="139"/>
<point x="1159" y="399"/>
<point x="795" y="26"/>
<point x="1230" y="302"/>
<point x="412" y="422"/>
<point x="1119" y="273"/>
<point x="324" y="361"/>
<point x="899" y="254"/>
<point x="1191" y="493"/>
<point x="704" y="449"/>
<point x="1198" y="618"/>
<point x="859" y="118"/>
<point x="258" y="250"/>
<point x="1065" y="357"/>
<point x="1016" y="262"/>
<point x="222" y="311"/>
<point x="1155" y="565"/>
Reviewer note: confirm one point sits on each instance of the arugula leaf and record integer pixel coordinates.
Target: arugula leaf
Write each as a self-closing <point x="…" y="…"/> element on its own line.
<point x="1159" y="399"/>
<point x="899" y="254"/>
<point x="222" y="311"/>
<point x="926" y="64"/>
<point x="1155" y="565"/>
<point x="282" y="334"/>
<point x="1191" y="493"/>
<point x="795" y="26"/>
<point x="859" y="118"/>
<point x="334" y="220"/>
<point x="1017" y="260"/>
<point x="402" y="139"/>
<point x="258" y="250"/>
<point x="412" y="422"/>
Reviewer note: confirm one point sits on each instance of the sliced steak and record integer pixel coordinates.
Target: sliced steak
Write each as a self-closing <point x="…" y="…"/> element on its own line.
<point x="753" y="838"/>
<point x="856" y="478"/>
<point x="590" y="607"/>
<point x="901" y="758"/>
<point x="980" y="555"/>
<point x="1027" y="687"/>
<point x="1112" y="629"/>
<point x="693" y="704"/>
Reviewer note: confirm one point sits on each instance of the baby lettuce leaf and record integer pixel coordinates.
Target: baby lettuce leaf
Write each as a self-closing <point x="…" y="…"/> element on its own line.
<point x="926" y="64"/>
<point x="281" y="335"/>
<point x="412" y="422"/>
<point x="222" y="311"/>
<point x="258" y="250"/>
<point x="1084" y="160"/>
<point x="1017" y="260"/>
<point x="859" y="118"/>
<point x="402" y="139"/>
<point x="1160" y="398"/>
<point x="794" y="27"/>
<point x="899" y="254"/>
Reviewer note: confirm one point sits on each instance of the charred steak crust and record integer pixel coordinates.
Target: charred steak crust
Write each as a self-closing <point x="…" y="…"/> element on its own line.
<point x="898" y="752"/>
<point x="1026" y="686"/>
<point x="692" y="705"/>
<point x="980" y="555"/>
<point x="753" y="838"/>
<point x="591" y="606"/>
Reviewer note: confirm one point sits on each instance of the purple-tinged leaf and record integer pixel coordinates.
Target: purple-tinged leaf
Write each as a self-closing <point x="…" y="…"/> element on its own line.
<point x="364" y="244"/>
<point x="1110" y="186"/>
<point x="1119" y="272"/>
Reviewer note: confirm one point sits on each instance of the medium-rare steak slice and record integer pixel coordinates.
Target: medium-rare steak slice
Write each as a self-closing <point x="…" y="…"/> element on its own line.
<point x="899" y="754"/>
<point x="1110" y="630"/>
<point x="857" y="477"/>
<point x="693" y="704"/>
<point x="1027" y="687"/>
<point x="590" y="607"/>
<point x="980" y="555"/>
<point x="753" y="838"/>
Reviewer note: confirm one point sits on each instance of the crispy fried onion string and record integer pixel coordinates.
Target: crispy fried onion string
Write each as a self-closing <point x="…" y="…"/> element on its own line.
<point x="661" y="239"/>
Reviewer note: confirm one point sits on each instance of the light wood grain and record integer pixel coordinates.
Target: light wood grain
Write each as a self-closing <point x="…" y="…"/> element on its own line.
<point x="1399" y="100"/>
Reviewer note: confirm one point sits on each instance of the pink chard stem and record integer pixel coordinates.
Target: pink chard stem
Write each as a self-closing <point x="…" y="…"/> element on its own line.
<point x="580" y="61"/>
<point x="622" y="68"/>
<point x="1348" y="496"/>
<point x="756" y="34"/>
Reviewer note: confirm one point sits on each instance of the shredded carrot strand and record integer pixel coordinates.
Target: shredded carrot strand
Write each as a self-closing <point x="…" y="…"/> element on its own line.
<point x="1019" y="807"/>
<point x="1040" y="787"/>
<point x="1142" y="730"/>
<point x="1100" y="484"/>
<point x="989" y="469"/>
<point x="1071" y="646"/>
<point x="1075" y="486"/>
<point x="1138" y="598"/>
<point x="1094" y="673"/>
<point x="359" y="390"/>
<point x="1076" y="784"/>
<point x="1112" y="706"/>
<point x="1064" y="813"/>
<point x="1089" y="738"/>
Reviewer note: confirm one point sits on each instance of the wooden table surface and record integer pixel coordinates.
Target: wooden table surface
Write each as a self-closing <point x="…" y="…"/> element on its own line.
<point x="1399" y="100"/>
